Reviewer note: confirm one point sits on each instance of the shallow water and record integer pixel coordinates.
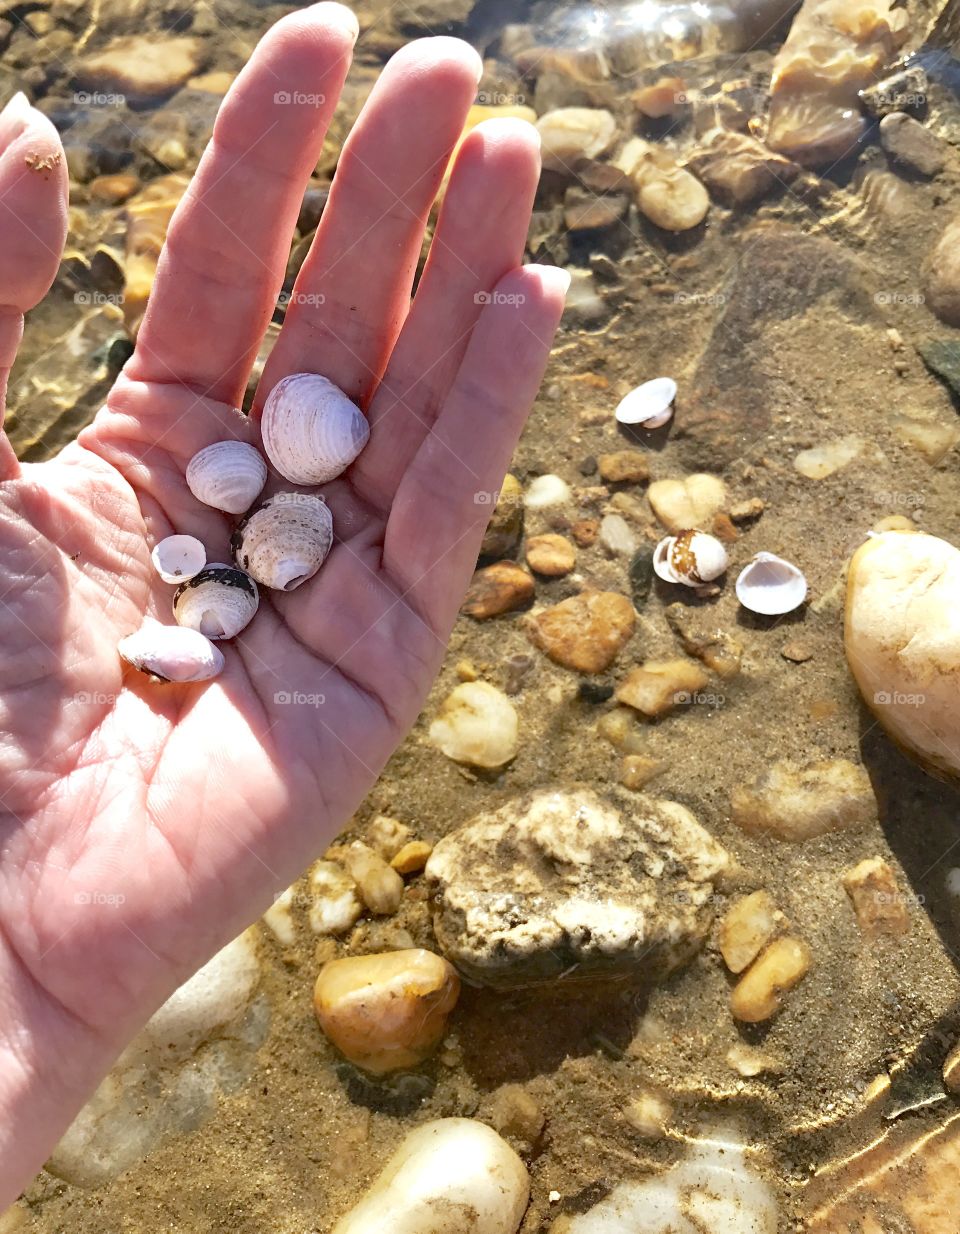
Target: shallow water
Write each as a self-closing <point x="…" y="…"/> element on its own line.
<point x="791" y="323"/>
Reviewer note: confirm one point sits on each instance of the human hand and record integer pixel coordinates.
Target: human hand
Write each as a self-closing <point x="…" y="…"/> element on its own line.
<point x="145" y="825"/>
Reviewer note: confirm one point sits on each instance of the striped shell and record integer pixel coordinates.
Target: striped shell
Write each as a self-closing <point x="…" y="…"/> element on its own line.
<point x="171" y="653"/>
<point x="311" y="430"/>
<point x="284" y="542"/>
<point x="228" y="475"/>
<point x="219" y="601"/>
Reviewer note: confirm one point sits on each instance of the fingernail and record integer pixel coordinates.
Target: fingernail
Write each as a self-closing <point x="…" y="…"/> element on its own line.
<point x="554" y="278"/>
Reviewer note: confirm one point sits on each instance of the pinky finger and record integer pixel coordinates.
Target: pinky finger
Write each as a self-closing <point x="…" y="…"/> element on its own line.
<point x="443" y="503"/>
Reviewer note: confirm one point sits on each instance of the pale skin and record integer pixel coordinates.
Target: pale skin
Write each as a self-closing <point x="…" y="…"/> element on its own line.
<point x="145" y="825"/>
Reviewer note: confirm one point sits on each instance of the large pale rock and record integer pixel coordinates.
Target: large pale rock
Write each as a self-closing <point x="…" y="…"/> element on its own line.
<point x="563" y="879"/>
<point x="141" y="67"/>
<point x="902" y="640"/>
<point x="451" y="1176"/>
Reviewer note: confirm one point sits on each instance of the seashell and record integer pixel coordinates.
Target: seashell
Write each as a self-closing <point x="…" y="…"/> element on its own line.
<point x="171" y="653"/>
<point x="691" y="558"/>
<point x="311" y="431"/>
<point x="227" y="475"/>
<point x="219" y="601"/>
<point x="650" y="404"/>
<point x="771" y="586"/>
<point x="284" y="542"/>
<point x="178" y="558"/>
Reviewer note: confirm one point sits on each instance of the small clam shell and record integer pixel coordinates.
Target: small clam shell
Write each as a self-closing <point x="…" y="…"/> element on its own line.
<point x="219" y="601"/>
<point x="691" y="558"/>
<point x="171" y="653"/>
<point x="650" y="404"/>
<point x="284" y="542"/>
<point x="771" y="586"/>
<point x="311" y="431"/>
<point x="227" y="475"/>
<point x="178" y="558"/>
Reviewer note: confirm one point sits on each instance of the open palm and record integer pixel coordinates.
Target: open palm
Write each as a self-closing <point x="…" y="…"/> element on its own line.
<point x="143" y="824"/>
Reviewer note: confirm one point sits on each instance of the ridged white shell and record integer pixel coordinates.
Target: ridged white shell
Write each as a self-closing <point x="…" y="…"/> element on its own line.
<point x="311" y="430"/>
<point x="178" y="558"/>
<point x="771" y="586"/>
<point x="284" y="542"/>
<point x="650" y="404"/>
<point x="219" y="601"/>
<point x="228" y="475"/>
<point x="171" y="653"/>
<point x="691" y="558"/>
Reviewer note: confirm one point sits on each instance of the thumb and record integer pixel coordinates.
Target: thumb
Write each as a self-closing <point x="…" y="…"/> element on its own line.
<point x="33" y="227"/>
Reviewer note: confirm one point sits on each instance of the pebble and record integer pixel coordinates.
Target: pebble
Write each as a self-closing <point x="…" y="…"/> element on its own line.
<point x="748" y="1061"/>
<point x="684" y="505"/>
<point x="929" y="438"/>
<point x="585" y="210"/>
<point x="636" y="771"/>
<point x="757" y="996"/>
<point x="738" y="169"/>
<point x="501" y="588"/>
<point x="388" y="835"/>
<point x="666" y="97"/>
<point x="942" y="276"/>
<point x="657" y="686"/>
<point x="797" y="651"/>
<point x="412" y="857"/>
<point x="552" y="555"/>
<point x="143" y="68"/>
<point x="477" y="725"/>
<point x="796" y="802"/>
<point x="506" y="522"/>
<point x="649" y="1114"/>
<point x="903" y="644"/>
<point x="112" y="190"/>
<point x="747" y="927"/>
<point x="624" y="467"/>
<point x="387" y="1011"/>
<point x="911" y="145"/>
<point x="747" y="511"/>
<point x="546" y="491"/>
<point x="279" y="919"/>
<point x="585" y="633"/>
<point x="517" y="669"/>
<point x="585" y="532"/>
<point x="878" y="902"/>
<point x="821" y="461"/>
<point x="564" y="877"/>
<point x="620" y="728"/>
<point x="380" y="887"/>
<point x="515" y="1113"/>
<point x="719" y="651"/>
<point x="336" y="903"/>
<point x="667" y="194"/>
<point x="447" y="1176"/>
<point x="571" y="134"/>
<point x="617" y="536"/>
<point x="907" y="91"/>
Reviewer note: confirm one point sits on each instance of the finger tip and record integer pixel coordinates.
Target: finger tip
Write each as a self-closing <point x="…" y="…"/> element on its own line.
<point x="337" y="17"/>
<point x="441" y="53"/>
<point x="552" y="282"/>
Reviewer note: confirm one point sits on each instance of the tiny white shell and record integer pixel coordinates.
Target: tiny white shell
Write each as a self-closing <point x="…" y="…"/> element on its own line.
<point x="311" y="431"/>
<point x="178" y="558"/>
<point x="284" y="542"/>
<point x="228" y="475"/>
<point x="691" y="558"/>
<point x="219" y="601"/>
<point x="771" y="586"/>
<point x="650" y="404"/>
<point x="171" y="653"/>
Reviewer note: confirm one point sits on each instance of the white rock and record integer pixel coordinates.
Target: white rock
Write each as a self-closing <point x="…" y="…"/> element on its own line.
<point x="547" y="491"/>
<point x="617" y="536"/>
<point x="570" y="134"/>
<point x="336" y="899"/>
<point x="477" y="725"/>
<point x="279" y="918"/>
<point x="821" y="461"/>
<point x="713" y="1189"/>
<point x="447" y="1177"/>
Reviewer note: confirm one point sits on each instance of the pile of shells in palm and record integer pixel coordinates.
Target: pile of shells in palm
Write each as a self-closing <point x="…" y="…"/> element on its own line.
<point x="311" y="433"/>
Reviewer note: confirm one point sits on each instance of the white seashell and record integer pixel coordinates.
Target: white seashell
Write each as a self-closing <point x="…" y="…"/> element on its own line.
<point x="227" y="475"/>
<point x="691" y="558"/>
<point x="284" y="542"/>
<point x="219" y="601"/>
<point x="171" y="653"/>
<point x="771" y="586"/>
<point x="311" y="431"/>
<point x="650" y="404"/>
<point x="178" y="558"/>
